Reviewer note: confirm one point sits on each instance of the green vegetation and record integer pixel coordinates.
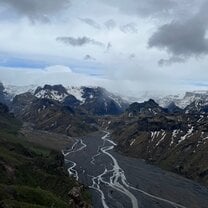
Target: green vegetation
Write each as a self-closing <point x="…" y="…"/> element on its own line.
<point x="31" y="176"/>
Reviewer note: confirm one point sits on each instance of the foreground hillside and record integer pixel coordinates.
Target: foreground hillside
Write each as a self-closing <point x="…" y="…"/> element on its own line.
<point x="174" y="139"/>
<point x="33" y="175"/>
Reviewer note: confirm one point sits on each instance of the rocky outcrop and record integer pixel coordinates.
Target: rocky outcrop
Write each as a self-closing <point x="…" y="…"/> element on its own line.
<point x="197" y="107"/>
<point x="148" y="108"/>
<point x="174" y="109"/>
<point x="76" y="198"/>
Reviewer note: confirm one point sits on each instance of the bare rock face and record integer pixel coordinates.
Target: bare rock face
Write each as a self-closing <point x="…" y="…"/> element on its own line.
<point x="147" y="108"/>
<point x="76" y="199"/>
<point x="99" y="101"/>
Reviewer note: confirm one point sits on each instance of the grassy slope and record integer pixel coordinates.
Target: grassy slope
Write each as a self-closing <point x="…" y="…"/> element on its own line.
<point x="30" y="175"/>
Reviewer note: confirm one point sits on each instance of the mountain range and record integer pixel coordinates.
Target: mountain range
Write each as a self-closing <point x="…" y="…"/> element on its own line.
<point x="171" y="132"/>
<point x="176" y="141"/>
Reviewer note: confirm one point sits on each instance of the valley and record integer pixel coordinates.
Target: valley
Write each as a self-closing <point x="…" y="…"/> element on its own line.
<point x="119" y="181"/>
<point x="125" y="154"/>
<point x="104" y="104"/>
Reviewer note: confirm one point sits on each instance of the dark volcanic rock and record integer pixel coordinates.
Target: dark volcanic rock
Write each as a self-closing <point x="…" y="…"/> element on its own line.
<point x="98" y="101"/>
<point x="59" y="88"/>
<point x="172" y="108"/>
<point x="148" y="108"/>
<point x="197" y="107"/>
<point x="70" y="100"/>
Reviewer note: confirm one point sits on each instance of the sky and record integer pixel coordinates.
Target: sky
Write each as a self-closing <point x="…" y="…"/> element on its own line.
<point x="126" y="46"/>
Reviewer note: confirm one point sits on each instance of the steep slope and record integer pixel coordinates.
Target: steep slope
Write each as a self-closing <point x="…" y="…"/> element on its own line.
<point x="99" y="101"/>
<point x="148" y="108"/>
<point x="174" y="141"/>
<point x="55" y="92"/>
<point x="94" y="100"/>
<point x="48" y="114"/>
<point x="197" y="107"/>
<point x="173" y="108"/>
<point x="32" y="175"/>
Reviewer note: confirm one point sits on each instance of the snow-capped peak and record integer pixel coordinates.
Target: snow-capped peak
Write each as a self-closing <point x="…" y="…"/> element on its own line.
<point x="77" y="92"/>
<point x="56" y="92"/>
<point x="185" y="100"/>
<point x="53" y="94"/>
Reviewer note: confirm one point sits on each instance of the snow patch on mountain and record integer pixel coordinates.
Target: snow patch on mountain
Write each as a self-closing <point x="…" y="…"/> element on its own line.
<point x="12" y="90"/>
<point x="183" y="100"/>
<point x="52" y="94"/>
<point x="77" y="92"/>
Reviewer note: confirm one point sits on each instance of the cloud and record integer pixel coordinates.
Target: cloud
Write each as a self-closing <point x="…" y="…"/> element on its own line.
<point x="170" y="61"/>
<point x="80" y="41"/>
<point x="57" y="69"/>
<point x="174" y="28"/>
<point x="126" y="84"/>
<point x="57" y="74"/>
<point x="143" y="8"/>
<point x="132" y="56"/>
<point x="108" y="47"/>
<point x="89" y="58"/>
<point x="110" y="24"/>
<point x="183" y="39"/>
<point x="129" y="28"/>
<point x="36" y="9"/>
<point x="90" y="22"/>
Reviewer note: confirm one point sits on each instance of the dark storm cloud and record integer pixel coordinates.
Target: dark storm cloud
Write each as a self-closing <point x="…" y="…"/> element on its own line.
<point x="170" y="61"/>
<point x="183" y="40"/>
<point x="36" y="9"/>
<point x="80" y="41"/>
<point x="143" y="8"/>
<point x="90" y="22"/>
<point x="186" y="39"/>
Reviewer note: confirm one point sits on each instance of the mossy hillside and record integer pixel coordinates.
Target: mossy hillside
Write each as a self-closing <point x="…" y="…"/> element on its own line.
<point x="30" y="175"/>
<point x="28" y="195"/>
